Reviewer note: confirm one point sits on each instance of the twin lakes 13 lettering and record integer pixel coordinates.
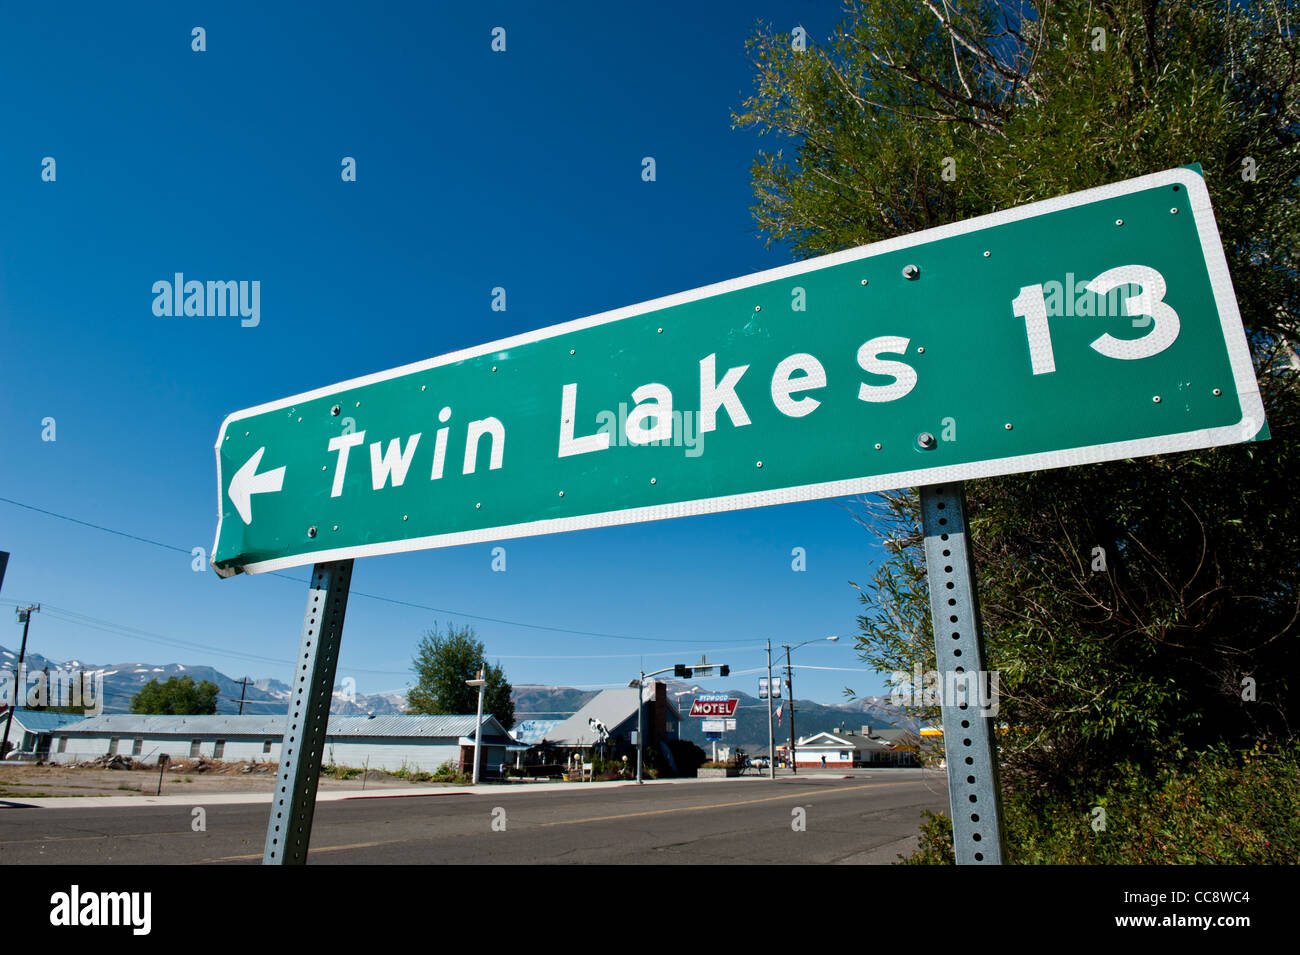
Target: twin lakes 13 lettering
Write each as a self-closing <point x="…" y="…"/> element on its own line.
<point x="791" y="387"/>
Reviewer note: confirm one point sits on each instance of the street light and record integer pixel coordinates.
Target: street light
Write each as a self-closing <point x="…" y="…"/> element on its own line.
<point x="479" y="682"/>
<point x="789" y="682"/>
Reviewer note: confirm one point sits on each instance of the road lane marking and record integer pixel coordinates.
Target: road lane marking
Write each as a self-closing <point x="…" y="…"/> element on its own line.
<point x="311" y="851"/>
<point x="720" y="805"/>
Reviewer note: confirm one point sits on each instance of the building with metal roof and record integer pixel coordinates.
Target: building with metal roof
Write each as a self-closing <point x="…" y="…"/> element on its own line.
<point x="416" y="743"/>
<point x="32" y="731"/>
<point x="616" y="710"/>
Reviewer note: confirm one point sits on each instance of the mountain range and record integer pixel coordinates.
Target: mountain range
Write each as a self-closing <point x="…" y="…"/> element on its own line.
<point x="537" y="708"/>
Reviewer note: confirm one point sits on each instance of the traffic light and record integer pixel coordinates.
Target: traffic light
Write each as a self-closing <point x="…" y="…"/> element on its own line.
<point x="724" y="671"/>
<point x="682" y="670"/>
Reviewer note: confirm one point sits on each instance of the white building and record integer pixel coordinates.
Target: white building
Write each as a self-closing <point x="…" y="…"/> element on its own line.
<point x="844" y="749"/>
<point x="32" y="732"/>
<point x="418" y="743"/>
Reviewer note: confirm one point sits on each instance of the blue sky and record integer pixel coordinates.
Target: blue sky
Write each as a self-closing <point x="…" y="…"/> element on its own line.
<point x="475" y="170"/>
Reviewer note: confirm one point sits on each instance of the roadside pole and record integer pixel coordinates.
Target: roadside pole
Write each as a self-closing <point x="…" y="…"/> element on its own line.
<point x="479" y="682"/>
<point x="640" y="723"/>
<point x="975" y="799"/>
<point x="288" y="831"/>
<point x="771" y="734"/>
<point x="789" y="686"/>
<point x="26" y="614"/>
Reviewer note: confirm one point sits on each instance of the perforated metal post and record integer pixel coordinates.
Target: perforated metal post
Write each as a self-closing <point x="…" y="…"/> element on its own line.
<point x="288" y="831"/>
<point x="969" y="746"/>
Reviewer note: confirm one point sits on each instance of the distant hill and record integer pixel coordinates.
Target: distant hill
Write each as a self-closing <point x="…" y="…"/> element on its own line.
<point x="538" y="703"/>
<point x="751" y="718"/>
<point x="122" y="681"/>
<point x="536" y="707"/>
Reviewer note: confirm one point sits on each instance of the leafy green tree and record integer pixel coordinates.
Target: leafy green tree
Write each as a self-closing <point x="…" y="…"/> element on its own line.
<point x="179" y="696"/>
<point x="443" y="662"/>
<point x="913" y="115"/>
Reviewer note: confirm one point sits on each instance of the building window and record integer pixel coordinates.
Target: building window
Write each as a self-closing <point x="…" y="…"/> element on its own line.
<point x="63" y="744"/>
<point x="112" y="746"/>
<point x="266" y="747"/>
<point x="138" y="746"/>
<point x="194" y="748"/>
<point x="219" y="749"/>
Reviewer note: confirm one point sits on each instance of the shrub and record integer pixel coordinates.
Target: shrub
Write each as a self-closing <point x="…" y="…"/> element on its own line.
<point x="1219" y="807"/>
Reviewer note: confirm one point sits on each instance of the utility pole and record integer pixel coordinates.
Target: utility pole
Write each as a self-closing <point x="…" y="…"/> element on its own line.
<point x="771" y="733"/>
<point x="789" y="683"/>
<point x="243" y="688"/>
<point x="640" y="724"/>
<point x="24" y="615"/>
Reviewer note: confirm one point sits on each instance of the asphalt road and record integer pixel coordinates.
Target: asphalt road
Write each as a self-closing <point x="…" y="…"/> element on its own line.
<point x="869" y="818"/>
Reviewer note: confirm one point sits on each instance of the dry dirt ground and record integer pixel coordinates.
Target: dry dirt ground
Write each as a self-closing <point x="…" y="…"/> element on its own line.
<point x="183" y="776"/>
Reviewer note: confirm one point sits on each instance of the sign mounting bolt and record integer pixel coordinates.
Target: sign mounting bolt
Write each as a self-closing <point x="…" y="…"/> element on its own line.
<point x="925" y="439"/>
<point x="1119" y="221"/>
<point x="1173" y="211"/>
<point x="335" y="410"/>
<point x="758" y="464"/>
<point x="1156" y="399"/>
<point x="311" y="532"/>
<point x="1217" y="392"/>
<point x="987" y="253"/>
<point x="911" y="272"/>
<point x="1008" y="425"/>
<point x="878" y="446"/>
<point x="561" y="494"/>
<point x="654" y="480"/>
<point x="864" y="281"/>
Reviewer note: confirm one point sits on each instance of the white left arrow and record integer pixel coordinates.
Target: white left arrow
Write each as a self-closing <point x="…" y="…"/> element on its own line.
<point x="248" y="482"/>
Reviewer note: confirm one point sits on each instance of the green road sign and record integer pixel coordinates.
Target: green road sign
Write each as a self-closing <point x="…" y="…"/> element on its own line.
<point x="1101" y="325"/>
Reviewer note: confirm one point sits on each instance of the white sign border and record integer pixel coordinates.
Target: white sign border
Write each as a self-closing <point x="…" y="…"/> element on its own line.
<point x="1252" y="406"/>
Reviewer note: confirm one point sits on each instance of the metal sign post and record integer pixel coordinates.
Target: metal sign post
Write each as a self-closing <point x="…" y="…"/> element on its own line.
<point x="974" y="796"/>
<point x="288" y="831"/>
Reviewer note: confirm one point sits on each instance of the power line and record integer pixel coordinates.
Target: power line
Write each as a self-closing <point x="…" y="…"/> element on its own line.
<point x="146" y="636"/>
<point x="379" y="597"/>
<point x="98" y="527"/>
